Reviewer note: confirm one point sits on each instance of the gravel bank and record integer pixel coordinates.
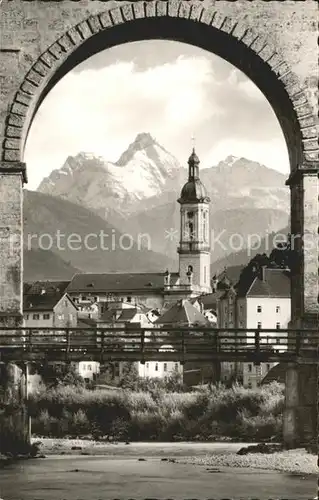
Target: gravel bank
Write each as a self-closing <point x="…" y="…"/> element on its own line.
<point x="294" y="461"/>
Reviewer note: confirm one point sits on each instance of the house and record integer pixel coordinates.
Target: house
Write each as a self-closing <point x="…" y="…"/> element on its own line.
<point x="47" y="304"/>
<point x="122" y="314"/>
<point x="88" y="370"/>
<point x="187" y="314"/>
<point x="261" y="299"/>
<point x="160" y="369"/>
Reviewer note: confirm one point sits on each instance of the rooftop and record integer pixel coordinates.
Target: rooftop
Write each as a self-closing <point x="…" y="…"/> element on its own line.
<point x="182" y="313"/>
<point x="43" y="295"/>
<point x="118" y="282"/>
<point x="276" y="283"/>
<point x="123" y="315"/>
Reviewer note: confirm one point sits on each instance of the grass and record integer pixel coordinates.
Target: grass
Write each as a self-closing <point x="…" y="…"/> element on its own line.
<point x="206" y="414"/>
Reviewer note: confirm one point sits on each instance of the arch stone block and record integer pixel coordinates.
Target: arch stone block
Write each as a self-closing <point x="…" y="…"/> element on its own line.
<point x="49" y="62"/>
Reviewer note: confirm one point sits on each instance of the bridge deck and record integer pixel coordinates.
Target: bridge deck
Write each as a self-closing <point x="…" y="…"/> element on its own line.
<point x="159" y="344"/>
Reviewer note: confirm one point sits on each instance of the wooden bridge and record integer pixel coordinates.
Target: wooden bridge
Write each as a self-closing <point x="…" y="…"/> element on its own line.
<point x="158" y="344"/>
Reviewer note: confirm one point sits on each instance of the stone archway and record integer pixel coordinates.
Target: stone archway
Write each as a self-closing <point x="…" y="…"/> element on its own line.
<point x="207" y="28"/>
<point x="217" y="27"/>
<point x="242" y="46"/>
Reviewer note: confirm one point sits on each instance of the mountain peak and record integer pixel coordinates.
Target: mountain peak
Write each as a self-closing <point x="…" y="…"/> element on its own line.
<point x="142" y="141"/>
<point x="231" y="159"/>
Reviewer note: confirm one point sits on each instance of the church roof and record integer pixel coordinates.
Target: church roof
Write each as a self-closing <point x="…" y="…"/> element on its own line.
<point x="118" y="282"/>
<point x="182" y="313"/>
<point x="193" y="192"/>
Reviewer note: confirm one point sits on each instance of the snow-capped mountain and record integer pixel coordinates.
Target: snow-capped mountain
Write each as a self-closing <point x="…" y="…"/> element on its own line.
<point x="144" y="170"/>
<point x="138" y="195"/>
<point x="147" y="175"/>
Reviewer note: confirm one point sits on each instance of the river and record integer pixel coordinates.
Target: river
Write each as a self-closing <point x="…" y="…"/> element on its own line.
<point x="121" y="474"/>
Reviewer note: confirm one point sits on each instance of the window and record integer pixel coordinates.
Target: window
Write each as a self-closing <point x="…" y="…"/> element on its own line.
<point x="46" y="316"/>
<point x="147" y="365"/>
<point x="89" y="368"/>
<point x="259" y="324"/>
<point x="250" y="368"/>
<point x="35" y="316"/>
<point x="267" y="367"/>
<point x="70" y="316"/>
<point x="176" y="366"/>
<point x="26" y="316"/>
<point x="60" y="316"/>
<point x="277" y="309"/>
<point x="259" y="309"/>
<point x="129" y="299"/>
<point x="156" y="367"/>
<point x="249" y="385"/>
<point x="84" y="367"/>
<point x="165" y="367"/>
<point x="65" y="303"/>
<point x="277" y="326"/>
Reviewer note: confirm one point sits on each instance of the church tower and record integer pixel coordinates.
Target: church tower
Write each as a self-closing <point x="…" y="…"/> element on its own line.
<point x="194" y="247"/>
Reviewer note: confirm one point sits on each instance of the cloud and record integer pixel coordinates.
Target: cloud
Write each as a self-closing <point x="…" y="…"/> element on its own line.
<point x="104" y="103"/>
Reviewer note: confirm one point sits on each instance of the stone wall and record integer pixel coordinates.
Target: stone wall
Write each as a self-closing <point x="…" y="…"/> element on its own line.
<point x="282" y="33"/>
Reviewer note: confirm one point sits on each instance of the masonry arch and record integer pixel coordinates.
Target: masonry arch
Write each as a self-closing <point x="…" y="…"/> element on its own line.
<point x="181" y="21"/>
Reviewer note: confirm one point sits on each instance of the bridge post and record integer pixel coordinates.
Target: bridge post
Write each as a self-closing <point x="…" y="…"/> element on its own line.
<point x="299" y="424"/>
<point x="300" y="414"/>
<point x="301" y="392"/>
<point x="12" y="177"/>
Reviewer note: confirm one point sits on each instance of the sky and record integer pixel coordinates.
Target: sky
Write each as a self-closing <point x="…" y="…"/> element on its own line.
<point x="172" y="90"/>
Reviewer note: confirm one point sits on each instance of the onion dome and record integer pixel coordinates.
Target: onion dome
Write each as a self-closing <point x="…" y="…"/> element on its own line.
<point x="193" y="191"/>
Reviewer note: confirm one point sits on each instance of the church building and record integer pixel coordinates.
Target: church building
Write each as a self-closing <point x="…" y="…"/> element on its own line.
<point x="160" y="290"/>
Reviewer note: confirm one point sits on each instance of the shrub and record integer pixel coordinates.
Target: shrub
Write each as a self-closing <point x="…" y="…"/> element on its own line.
<point x="80" y="423"/>
<point x="158" y="414"/>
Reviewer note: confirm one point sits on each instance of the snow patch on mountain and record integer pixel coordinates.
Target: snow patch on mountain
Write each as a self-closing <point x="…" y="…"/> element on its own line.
<point x="146" y="175"/>
<point x="143" y="171"/>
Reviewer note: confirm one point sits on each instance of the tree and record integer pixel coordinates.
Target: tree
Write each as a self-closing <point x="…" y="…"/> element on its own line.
<point x="130" y="377"/>
<point x="55" y="374"/>
<point x="284" y="255"/>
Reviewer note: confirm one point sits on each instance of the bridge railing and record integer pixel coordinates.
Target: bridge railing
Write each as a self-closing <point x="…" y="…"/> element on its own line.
<point x="172" y="343"/>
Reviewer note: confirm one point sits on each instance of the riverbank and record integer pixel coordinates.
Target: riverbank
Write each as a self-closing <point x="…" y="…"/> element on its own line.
<point x="209" y="455"/>
<point x="296" y="461"/>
